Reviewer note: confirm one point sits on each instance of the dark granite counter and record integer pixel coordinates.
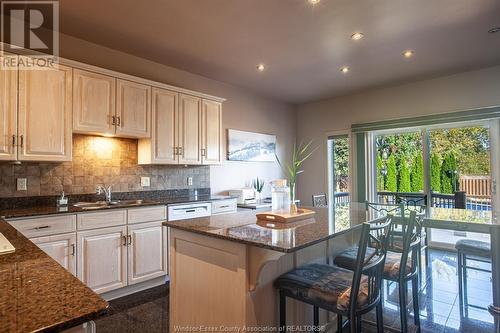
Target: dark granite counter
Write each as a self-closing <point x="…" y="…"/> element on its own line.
<point x="243" y="227"/>
<point x="37" y="294"/>
<point x="70" y="209"/>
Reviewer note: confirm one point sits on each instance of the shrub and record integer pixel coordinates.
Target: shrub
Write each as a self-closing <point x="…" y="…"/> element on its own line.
<point x="404" y="177"/>
<point x="380" y="176"/>
<point x="449" y="174"/>
<point x="391" y="181"/>
<point x="417" y="174"/>
<point x="435" y="173"/>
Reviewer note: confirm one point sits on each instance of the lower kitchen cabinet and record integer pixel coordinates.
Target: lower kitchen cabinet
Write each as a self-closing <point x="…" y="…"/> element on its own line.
<point x="102" y="258"/>
<point x="61" y="248"/>
<point x="147" y="254"/>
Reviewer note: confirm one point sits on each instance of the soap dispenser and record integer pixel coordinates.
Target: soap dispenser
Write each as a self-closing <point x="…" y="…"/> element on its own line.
<point x="62" y="201"/>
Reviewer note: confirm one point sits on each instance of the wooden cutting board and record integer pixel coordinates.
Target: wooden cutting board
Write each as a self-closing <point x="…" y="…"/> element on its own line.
<point x="286" y="217"/>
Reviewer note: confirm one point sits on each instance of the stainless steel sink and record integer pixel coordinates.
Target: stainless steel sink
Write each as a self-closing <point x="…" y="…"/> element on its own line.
<point x="104" y="204"/>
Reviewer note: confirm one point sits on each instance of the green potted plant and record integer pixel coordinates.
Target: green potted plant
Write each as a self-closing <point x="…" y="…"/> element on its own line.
<point x="258" y="186"/>
<point x="300" y="154"/>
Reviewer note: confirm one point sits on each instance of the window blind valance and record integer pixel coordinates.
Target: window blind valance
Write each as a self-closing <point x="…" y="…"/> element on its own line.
<point x="449" y="117"/>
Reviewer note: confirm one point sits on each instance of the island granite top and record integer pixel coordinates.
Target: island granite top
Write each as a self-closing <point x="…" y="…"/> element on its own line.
<point x="243" y="227"/>
<point x="39" y="295"/>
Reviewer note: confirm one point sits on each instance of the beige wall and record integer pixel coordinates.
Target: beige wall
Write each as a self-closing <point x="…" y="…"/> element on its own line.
<point x="243" y="109"/>
<point x="457" y="92"/>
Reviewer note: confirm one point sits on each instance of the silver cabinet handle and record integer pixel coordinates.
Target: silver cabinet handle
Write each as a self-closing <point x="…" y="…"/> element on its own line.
<point x="129" y="239"/>
<point x="203" y="152"/>
<point x="124" y="240"/>
<point x="13" y="140"/>
<point x="119" y="121"/>
<point x="113" y="120"/>
<point x="41" y="227"/>
<point x="21" y="139"/>
<point x="73" y="249"/>
<point x="181" y="150"/>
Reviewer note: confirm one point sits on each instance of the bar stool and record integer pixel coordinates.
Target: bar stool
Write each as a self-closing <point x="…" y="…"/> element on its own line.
<point x="344" y="292"/>
<point x="319" y="200"/>
<point x="475" y="250"/>
<point x="401" y="264"/>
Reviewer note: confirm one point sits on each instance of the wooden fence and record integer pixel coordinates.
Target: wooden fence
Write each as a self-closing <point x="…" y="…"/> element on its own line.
<point x="476" y="186"/>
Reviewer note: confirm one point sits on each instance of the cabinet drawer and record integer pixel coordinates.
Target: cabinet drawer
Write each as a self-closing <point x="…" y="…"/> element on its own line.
<point x="110" y="218"/>
<point x="224" y="206"/>
<point x="147" y="214"/>
<point x="44" y="226"/>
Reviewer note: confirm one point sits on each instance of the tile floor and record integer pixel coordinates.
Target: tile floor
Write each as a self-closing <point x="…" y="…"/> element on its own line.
<point x="147" y="311"/>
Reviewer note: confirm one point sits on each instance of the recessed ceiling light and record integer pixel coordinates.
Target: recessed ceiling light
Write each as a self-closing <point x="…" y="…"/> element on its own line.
<point x="314" y="2"/>
<point x="493" y="30"/>
<point x="357" y="36"/>
<point x="408" y="53"/>
<point x="261" y="67"/>
<point x="345" y="69"/>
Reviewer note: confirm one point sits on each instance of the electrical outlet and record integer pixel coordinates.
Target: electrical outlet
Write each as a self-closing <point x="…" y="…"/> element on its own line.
<point x="190" y="181"/>
<point x="145" y="181"/>
<point x="22" y="184"/>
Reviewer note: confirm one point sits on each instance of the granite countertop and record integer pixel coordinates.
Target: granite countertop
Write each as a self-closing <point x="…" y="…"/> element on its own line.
<point x="38" y="210"/>
<point x="243" y="227"/>
<point x="37" y="294"/>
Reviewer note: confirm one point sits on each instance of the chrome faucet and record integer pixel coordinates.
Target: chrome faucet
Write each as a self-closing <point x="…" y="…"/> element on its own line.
<point x="100" y="189"/>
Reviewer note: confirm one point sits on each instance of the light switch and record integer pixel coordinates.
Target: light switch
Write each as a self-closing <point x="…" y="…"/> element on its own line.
<point x="145" y="181"/>
<point x="190" y="181"/>
<point x="21" y="184"/>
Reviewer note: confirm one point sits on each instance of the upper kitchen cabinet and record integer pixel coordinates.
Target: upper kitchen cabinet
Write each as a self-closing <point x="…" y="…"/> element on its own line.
<point x="45" y="113"/>
<point x="161" y="148"/>
<point x="189" y="144"/>
<point x="133" y="109"/>
<point x="93" y="103"/>
<point x="211" y="132"/>
<point x="8" y="113"/>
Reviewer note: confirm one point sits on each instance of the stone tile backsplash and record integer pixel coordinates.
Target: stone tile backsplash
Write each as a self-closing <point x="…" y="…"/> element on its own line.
<point x="98" y="160"/>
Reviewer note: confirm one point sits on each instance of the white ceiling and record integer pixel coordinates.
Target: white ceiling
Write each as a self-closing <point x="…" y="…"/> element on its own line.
<point x="302" y="46"/>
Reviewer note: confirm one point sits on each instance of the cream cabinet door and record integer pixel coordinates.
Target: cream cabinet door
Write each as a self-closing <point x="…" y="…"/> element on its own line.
<point x="61" y="248"/>
<point x="189" y="134"/>
<point x="147" y="256"/>
<point x="211" y="132"/>
<point x="102" y="258"/>
<point x="8" y="112"/>
<point x="133" y="109"/>
<point x="45" y="111"/>
<point x="93" y="103"/>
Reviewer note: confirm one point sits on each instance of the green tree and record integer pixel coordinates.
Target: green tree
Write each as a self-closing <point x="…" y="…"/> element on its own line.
<point x="417" y="174"/>
<point x="380" y="176"/>
<point x="391" y="181"/>
<point x="404" y="177"/>
<point x="435" y="173"/>
<point x="449" y="173"/>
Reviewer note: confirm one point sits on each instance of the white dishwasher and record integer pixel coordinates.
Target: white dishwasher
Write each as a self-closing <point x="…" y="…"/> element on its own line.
<point x="189" y="211"/>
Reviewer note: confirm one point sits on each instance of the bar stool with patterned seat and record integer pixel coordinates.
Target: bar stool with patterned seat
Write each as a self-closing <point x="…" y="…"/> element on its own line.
<point x="347" y="293"/>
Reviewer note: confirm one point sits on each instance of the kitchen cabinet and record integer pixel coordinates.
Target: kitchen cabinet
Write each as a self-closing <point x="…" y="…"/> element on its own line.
<point x="93" y="103"/>
<point x="147" y="255"/>
<point x="8" y="112"/>
<point x="36" y="114"/>
<point x="161" y="148"/>
<point x="61" y="248"/>
<point x="102" y="258"/>
<point x="133" y="109"/>
<point x="189" y="130"/>
<point x="211" y="132"/>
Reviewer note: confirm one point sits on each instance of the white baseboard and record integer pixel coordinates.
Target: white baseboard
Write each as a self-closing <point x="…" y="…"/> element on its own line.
<point x="110" y="295"/>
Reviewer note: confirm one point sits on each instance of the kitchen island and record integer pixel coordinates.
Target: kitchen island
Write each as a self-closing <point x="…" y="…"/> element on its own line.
<point x="223" y="267"/>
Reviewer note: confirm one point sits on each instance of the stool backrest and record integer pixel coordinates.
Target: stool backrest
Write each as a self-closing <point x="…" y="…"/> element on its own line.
<point x="408" y="233"/>
<point x="376" y="210"/>
<point x="319" y="200"/>
<point x="368" y="272"/>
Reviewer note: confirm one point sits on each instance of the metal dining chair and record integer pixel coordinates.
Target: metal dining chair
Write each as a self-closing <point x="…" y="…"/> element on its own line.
<point x="348" y="293"/>
<point x="319" y="200"/>
<point x="401" y="264"/>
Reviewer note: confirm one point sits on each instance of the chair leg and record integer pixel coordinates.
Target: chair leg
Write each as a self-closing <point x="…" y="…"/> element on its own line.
<point x="316" y="318"/>
<point x="416" y="310"/>
<point x="464" y="277"/>
<point x="353" y="321"/>
<point x="380" y="317"/>
<point x="282" y="311"/>
<point x="402" y="306"/>
<point x="339" y="324"/>
<point x="460" y="284"/>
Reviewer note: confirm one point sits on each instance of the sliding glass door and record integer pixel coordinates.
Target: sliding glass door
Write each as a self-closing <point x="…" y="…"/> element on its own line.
<point x="339" y="178"/>
<point x="445" y="166"/>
